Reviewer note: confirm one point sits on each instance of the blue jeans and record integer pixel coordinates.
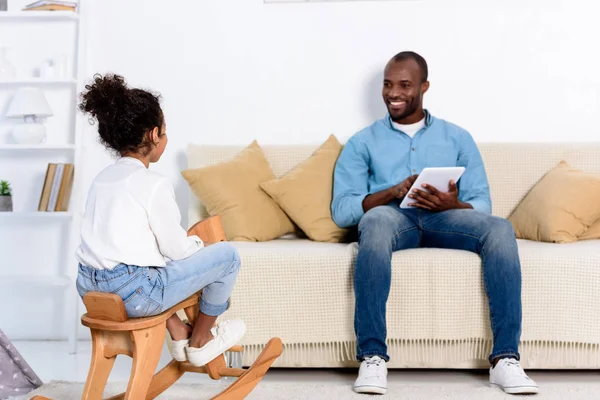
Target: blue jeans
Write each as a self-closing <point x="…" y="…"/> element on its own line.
<point x="386" y="229"/>
<point x="147" y="290"/>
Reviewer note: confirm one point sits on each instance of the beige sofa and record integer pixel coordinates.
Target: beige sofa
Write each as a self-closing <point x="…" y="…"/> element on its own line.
<point x="301" y="291"/>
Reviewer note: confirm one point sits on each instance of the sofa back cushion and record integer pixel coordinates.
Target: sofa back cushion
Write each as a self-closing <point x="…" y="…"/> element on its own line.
<point x="512" y="168"/>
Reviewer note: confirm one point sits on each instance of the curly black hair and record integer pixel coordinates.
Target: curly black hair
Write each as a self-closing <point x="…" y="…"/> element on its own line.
<point x="125" y="115"/>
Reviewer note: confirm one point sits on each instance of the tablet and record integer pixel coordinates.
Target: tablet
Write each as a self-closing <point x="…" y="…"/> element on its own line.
<point x="438" y="177"/>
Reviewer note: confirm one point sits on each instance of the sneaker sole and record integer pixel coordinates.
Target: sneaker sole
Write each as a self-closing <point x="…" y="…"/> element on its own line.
<point x="370" y="389"/>
<point x="518" y="389"/>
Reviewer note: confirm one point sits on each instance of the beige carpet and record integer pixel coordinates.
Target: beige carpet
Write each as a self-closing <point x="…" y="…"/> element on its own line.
<point x="296" y="391"/>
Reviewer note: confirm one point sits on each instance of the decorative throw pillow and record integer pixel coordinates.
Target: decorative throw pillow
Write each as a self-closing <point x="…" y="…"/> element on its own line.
<point x="231" y="189"/>
<point x="305" y="193"/>
<point x="592" y="233"/>
<point x="560" y="207"/>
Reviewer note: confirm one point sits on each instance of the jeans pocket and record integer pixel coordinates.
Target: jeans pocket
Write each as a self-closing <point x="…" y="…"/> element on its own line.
<point x="139" y="304"/>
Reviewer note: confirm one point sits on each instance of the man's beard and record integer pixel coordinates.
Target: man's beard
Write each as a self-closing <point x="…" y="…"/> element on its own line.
<point x="410" y="108"/>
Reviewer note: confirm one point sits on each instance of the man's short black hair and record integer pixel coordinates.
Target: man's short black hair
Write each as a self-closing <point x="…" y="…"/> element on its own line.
<point x="411" y="55"/>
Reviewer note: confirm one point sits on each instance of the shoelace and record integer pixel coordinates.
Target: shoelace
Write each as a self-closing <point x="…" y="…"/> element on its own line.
<point x="220" y="328"/>
<point x="372" y="367"/>
<point x="370" y="362"/>
<point x="515" y="366"/>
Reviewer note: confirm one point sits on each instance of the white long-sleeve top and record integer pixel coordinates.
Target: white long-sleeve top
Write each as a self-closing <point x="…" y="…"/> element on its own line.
<point x="131" y="217"/>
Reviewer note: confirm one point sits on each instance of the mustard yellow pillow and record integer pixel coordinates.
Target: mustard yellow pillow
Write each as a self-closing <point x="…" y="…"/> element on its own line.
<point x="592" y="233"/>
<point x="231" y="189"/>
<point x="305" y="193"/>
<point x="560" y="207"/>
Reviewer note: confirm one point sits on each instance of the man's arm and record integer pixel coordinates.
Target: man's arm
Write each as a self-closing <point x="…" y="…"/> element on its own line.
<point x="350" y="186"/>
<point x="473" y="185"/>
<point x="388" y="195"/>
<point x="378" y="199"/>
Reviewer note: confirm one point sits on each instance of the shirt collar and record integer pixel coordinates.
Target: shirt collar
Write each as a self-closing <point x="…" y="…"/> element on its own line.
<point x="130" y="160"/>
<point x="428" y="120"/>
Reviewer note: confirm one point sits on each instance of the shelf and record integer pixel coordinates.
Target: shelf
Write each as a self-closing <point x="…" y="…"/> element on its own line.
<point x="58" y="281"/>
<point x="36" y="214"/>
<point x="37" y="81"/>
<point x="37" y="147"/>
<point x="39" y="15"/>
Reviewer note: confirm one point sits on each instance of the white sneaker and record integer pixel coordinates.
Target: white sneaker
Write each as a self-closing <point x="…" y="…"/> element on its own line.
<point x="178" y="349"/>
<point x="510" y="377"/>
<point x="372" y="376"/>
<point x="226" y="334"/>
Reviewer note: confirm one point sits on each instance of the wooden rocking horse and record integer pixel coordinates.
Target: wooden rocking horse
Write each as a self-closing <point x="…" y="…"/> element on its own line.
<point x="113" y="333"/>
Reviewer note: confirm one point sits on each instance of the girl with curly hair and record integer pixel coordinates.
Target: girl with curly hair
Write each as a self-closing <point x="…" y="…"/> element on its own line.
<point x="132" y="243"/>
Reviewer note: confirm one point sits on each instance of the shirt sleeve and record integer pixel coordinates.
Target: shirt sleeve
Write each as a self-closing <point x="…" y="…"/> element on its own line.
<point x="165" y="221"/>
<point x="473" y="187"/>
<point x="350" y="186"/>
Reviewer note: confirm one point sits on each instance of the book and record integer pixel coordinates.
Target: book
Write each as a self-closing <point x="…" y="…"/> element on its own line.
<point x="57" y="187"/>
<point x="52" y="2"/>
<point x="64" y="192"/>
<point x="50" y="8"/>
<point x="47" y="187"/>
<point x="48" y="5"/>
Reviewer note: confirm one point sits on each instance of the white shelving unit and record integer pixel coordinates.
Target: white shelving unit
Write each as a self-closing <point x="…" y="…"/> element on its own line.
<point x="35" y="214"/>
<point x="47" y="152"/>
<point x="36" y="15"/>
<point x="37" y="147"/>
<point x="37" y="82"/>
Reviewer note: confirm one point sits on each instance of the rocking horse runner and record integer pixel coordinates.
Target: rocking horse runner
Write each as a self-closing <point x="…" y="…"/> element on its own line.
<point x="138" y="266"/>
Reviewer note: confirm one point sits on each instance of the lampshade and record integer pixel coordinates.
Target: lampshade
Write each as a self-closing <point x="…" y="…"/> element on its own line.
<point x="29" y="101"/>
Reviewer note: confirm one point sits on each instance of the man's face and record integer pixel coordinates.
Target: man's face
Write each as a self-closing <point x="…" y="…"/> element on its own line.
<point x="403" y="90"/>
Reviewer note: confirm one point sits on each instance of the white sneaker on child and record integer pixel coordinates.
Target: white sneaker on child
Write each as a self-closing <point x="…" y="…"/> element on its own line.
<point x="178" y="349"/>
<point x="510" y="377"/>
<point x="372" y="376"/>
<point x="226" y="334"/>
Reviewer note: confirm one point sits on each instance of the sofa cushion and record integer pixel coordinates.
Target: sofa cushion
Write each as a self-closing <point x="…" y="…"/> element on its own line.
<point x="305" y="193"/>
<point x="437" y="305"/>
<point x="560" y="207"/>
<point x="592" y="233"/>
<point x="512" y="168"/>
<point x="296" y="285"/>
<point x="231" y="189"/>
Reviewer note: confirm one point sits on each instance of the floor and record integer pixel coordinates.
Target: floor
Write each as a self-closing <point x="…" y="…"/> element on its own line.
<point x="51" y="361"/>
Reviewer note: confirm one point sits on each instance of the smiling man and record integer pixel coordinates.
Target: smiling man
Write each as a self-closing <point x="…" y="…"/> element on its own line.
<point x="374" y="172"/>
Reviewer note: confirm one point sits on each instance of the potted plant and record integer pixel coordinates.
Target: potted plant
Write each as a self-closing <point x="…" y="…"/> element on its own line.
<point x="5" y="196"/>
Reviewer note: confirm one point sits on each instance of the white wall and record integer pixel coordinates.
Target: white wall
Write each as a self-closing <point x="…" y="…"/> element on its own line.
<point x="234" y="70"/>
<point x="231" y="71"/>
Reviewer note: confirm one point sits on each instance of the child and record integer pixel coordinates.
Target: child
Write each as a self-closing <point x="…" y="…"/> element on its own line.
<point x="132" y="243"/>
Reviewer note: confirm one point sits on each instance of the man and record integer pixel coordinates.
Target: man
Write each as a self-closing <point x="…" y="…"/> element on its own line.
<point x="373" y="174"/>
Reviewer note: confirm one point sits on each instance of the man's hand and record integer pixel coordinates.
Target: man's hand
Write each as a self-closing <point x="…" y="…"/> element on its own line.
<point x="388" y="195"/>
<point x="435" y="200"/>
<point x="401" y="190"/>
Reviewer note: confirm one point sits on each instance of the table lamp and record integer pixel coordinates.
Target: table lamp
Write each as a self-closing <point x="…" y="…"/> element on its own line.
<point x="30" y="104"/>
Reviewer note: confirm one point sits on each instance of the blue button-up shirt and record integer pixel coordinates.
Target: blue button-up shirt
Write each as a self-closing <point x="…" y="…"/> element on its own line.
<point x="380" y="156"/>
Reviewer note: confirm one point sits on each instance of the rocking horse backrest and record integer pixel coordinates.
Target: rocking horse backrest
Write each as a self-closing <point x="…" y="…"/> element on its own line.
<point x="209" y="229"/>
<point x="105" y="306"/>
